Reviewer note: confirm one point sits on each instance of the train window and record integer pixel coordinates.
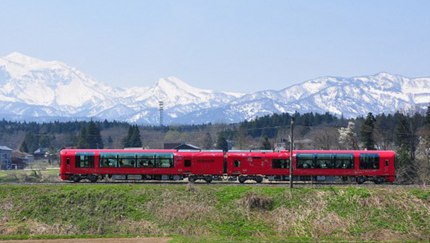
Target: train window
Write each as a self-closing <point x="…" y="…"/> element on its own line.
<point x="85" y="160"/>
<point x="165" y="160"/>
<point x="108" y="160"/>
<point x="146" y="160"/>
<point x="305" y="161"/>
<point x="369" y="161"/>
<point x="344" y="161"/>
<point x="386" y="162"/>
<point x="236" y="163"/>
<point x="187" y="163"/>
<point x="280" y="163"/>
<point x="68" y="161"/>
<point x="325" y="161"/>
<point x="127" y="160"/>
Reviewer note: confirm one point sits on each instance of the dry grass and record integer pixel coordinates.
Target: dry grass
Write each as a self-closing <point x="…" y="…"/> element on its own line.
<point x="253" y="201"/>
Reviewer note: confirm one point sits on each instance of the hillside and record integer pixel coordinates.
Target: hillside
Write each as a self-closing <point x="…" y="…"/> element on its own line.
<point x="215" y="213"/>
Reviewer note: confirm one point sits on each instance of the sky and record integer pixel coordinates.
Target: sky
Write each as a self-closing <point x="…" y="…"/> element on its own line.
<point x="232" y="45"/>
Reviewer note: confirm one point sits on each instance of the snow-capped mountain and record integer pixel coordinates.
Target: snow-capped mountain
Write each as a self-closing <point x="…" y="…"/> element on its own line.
<point x="32" y="89"/>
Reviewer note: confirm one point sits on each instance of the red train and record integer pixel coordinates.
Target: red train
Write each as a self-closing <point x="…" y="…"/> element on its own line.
<point x="319" y="165"/>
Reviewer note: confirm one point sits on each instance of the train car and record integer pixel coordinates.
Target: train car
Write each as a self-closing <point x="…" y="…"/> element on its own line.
<point x="201" y="165"/>
<point x="95" y="164"/>
<point x="139" y="164"/>
<point x="257" y="165"/>
<point x="364" y="165"/>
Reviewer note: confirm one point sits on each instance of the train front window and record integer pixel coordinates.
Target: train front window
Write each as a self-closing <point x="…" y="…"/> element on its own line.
<point x="280" y="163"/>
<point x="369" y="161"/>
<point x="84" y="160"/>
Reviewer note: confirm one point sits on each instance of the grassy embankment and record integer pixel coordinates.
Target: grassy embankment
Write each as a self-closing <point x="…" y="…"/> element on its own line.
<point x="214" y="213"/>
<point x="29" y="175"/>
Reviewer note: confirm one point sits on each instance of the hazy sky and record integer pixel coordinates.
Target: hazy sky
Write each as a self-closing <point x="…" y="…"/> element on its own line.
<point x="234" y="45"/>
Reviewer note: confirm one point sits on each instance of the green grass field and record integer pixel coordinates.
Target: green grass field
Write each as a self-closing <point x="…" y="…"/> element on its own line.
<point x="215" y="213"/>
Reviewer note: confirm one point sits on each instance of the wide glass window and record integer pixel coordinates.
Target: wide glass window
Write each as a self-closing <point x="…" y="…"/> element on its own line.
<point x="369" y="161"/>
<point x="344" y="161"/>
<point x="146" y="160"/>
<point x="325" y="161"/>
<point x="305" y="161"/>
<point x="127" y="160"/>
<point x="165" y="160"/>
<point x="108" y="160"/>
<point x="280" y="163"/>
<point x="84" y="160"/>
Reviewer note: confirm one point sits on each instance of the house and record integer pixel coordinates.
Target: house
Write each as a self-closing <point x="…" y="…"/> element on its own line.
<point x="40" y="153"/>
<point x="21" y="159"/>
<point x="185" y="146"/>
<point x="5" y="158"/>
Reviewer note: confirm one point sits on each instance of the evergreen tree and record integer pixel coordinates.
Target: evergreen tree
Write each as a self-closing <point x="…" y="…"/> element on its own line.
<point x="133" y="137"/>
<point x="427" y="121"/>
<point x="31" y="143"/>
<point x="94" y="137"/>
<point x="207" y="141"/>
<point x="90" y="137"/>
<point x="135" y="140"/>
<point x="82" y="139"/>
<point x="367" y="132"/>
<point x="23" y="147"/>
<point x="222" y="143"/>
<point x="266" y="143"/>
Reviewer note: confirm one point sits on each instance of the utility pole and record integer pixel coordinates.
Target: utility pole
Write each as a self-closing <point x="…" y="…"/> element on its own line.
<point x="291" y="151"/>
<point x="161" y="108"/>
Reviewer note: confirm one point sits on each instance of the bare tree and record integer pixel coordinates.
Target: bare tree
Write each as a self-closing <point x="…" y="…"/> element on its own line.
<point x="347" y="136"/>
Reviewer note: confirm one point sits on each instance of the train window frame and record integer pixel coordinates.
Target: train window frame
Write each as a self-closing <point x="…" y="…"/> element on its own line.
<point x="84" y="160"/>
<point x="280" y="163"/>
<point x="369" y="162"/>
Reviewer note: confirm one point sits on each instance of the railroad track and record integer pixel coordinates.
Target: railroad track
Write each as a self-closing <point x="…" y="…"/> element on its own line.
<point x="214" y="183"/>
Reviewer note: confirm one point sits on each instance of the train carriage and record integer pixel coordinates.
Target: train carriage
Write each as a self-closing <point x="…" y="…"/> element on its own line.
<point x="139" y="164"/>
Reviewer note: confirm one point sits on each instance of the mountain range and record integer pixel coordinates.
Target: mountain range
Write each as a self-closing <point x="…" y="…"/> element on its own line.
<point x="37" y="90"/>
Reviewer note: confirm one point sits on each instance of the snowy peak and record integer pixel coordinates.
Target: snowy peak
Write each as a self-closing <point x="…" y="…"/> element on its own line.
<point x="32" y="89"/>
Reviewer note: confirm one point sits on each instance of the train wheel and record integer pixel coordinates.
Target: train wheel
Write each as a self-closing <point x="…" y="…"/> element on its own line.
<point x="259" y="179"/>
<point x="361" y="180"/>
<point x="191" y="179"/>
<point x="242" y="179"/>
<point x="76" y="178"/>
<point x="208" y="179"/>
<point x="379" y="180"/>
<point x="93" y="178"/>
